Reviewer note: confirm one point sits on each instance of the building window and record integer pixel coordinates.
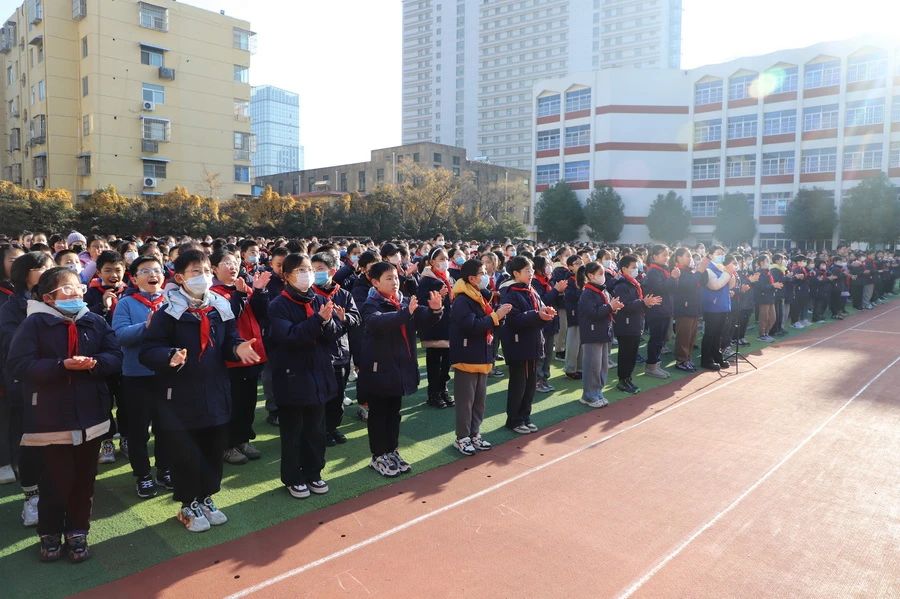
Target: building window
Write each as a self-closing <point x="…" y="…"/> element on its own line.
<point x="84" y="47"/>
<point x="242" y="39"/>
<point x="894" y="155"/>
<point x="739" y="87"/>
<point x="241" y="109"/>
<point x="86" y="122"/>
<point x="415" y="156"/>
<point x="782" y="80"/>
<point x="438" y="158"/>
<point x="241" y="74"/>
<point x="742" y="127"/>
<point x="822" y="160"/>
<point x="379" y="176"/>
<point x="548" y="140"/>
<point x="820" y="118"/>
<point x="241" y="174"/>
<point x="774" y="204"/>
<point x="780" y="123"/>
<point x="153" y="93"/>
<point x="895" y="110"/>
<point x="706" y="169"/>
<point x="84" y="86"/>
<point x="578" y="136"/>
<point x="152" y="56"/>
<point x="704" y="206"/>
<point x="867" y="68"/>
<point x="865" y="112"/>
<point x="242" y="147"/>
<point x="708" y="93"/>
<point x="778" y="163"/>
<point x="578" y="171"/>
<point x="773" y="241"/>
<point x="578" y="100"/>
<point x="741" y="166"/>
<point x="866" y="157"/>
<point x="547" y="174"/>
<point x="706" y="131"/>
<point x="342" y="182"/>
<point x="361" y="181"/>
<point x="548" y="105"/>
<point x="456" y="159"/>
<point x="155" y="169"/>
<point x="154" y="17"/>
<point x="156" y="129"/>
<point x="822" y="74"/>
<point x="42" y="89"/>
<point x="40" y="166"/>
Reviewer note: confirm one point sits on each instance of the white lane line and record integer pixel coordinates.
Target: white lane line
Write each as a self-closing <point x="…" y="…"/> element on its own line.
<point x="631" y="590"/>
<point x="874" y="331"/>
<point x="464" y="500"/>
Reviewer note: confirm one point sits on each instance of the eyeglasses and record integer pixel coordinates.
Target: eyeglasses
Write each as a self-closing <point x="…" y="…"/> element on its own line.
<point x="71" y="289"/>
<point x="149" y="271"/>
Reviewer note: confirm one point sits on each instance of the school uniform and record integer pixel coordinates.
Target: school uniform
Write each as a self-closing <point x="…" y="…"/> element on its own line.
<point x="573" y="337"/>
<point x="800" y="293"/>
<point x="561" y="273"/>
<point x="659" y="281"/>
<point x="687" y="307"/>
<point x="629" y="323"/>
<point x="436" y="337"/>
<point x="66" y="412"/>
<point x="522" y="337"/>
<point x="764" y="296"/>
<point x="595" y="322"/>
<point x="273" y="289"/>
<point x="550" y="297"/>
<point x="303" y="380"/>
<point x="716" y="312"/>
<point x="93" y="297"/>
<point x="193" y="401"/>
<point x="778" y="275"/>
<point x="8" y="450"/>
<point x="840" y="290"/>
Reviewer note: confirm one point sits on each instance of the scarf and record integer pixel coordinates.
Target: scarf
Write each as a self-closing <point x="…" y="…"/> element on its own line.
<point x="396" y="303"/>
<point x="532" y="296"/>
<point x="247" y="324"/>
<point x="768" y="273"/>
<point x="476" y="296"/>
<point x="5" y="291"/>
<point x="73" y="338"/>
<point x="602" y="294"/>
<point x="634" y="283"/>
<point x="307" y="305"/>
<point x="153" y="304"/>
<point x="665" y="272"/>
<point x="205" y="337"/>
<point x="328" y="295"/>
<point x="442" y="276"/>
<point x="543" y="282"/>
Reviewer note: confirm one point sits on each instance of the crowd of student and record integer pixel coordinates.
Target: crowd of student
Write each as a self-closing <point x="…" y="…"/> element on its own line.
<point x="104" y="338"/>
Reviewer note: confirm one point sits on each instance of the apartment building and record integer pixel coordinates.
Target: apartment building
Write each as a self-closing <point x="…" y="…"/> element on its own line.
<point x="143" y="96"/>
<point x="275" y="121"/>
<point x="765" y="126"/>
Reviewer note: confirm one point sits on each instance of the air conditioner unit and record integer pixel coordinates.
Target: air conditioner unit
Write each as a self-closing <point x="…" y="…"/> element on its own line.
<point x="148" y="145"/>
<point x="166" y="73"/>
<point x="39" y="182"/>
<point x="150" y="182"/>
<point x="148" y="106"/>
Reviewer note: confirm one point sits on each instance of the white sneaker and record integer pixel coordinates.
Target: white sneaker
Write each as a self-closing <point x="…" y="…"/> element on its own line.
<point x="402" y="465"/>
<point x="353" y="376"/>
<point x="798" y="325"/>
<point x="594" y="403"/>
<point x="384" y="466"/>
<point x="7" y="475"/>
<point x="300" y="491"/>
<point x="480" y="444"/>
<point x="363" y="413"/>
<point x="193" y="519"/>
<point x="464" y="446"/>
<point x="212" y="513"/>
<point x="107" y="452"/>
<point x="347" y="402"/>
<point x="30" y="511"/>
<point x="522" y="429"/>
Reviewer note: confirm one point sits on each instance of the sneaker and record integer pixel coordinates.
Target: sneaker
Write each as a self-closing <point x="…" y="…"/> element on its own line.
<point x="575" y="376"/>
<point x="145" y="487"/>
<point x="339" y="437"/>
<point x="300" y="491"/>
<point x="7" y="475"/>
<point x="522" y="429"/>
<point x="353" y="376"/>
<point x="384" y="466"/>
<point x="402" y="465"/>
<point x="480" y="444"/>
<point x="435" y="401"/>
<point x="448" y="399"/>
<point x="192" y="517"/>
<point x="164" y="479"/>
<point x="498" y="373"/>
<point x="798" y="325"/>
<point x="742" y="342"/>
<point x="362" y="412"/>
<point x="107" y="452"/>
<point x="248" y="450"/>
<point x="531" y="426"/>
<point x="542" y="387"/>
<point x="711" y="366"/>
<point x="594" y="403"/>
<point x="724" y="364"/>
<point x="656" y="371"/>
<point x="347" y="402"/>
<point x="319" y="487"/>
<point x="685" y="366"/>
<point x="500" y="358"/>
<point x="123" y="447"/>
<point x="613" y="364"/>
<point x="272" y="419"/>
<point x="30" y="511"/>
<point x="766" y="339"/>
<point x="212" y="513"/>
<point x="627" y="386"/>
<point x="465" y="446"/>
<point x="235" y="457"/>
<point x="78" y="548"/>
<point x="692" y="367"/>
<point x="51" y="548"/>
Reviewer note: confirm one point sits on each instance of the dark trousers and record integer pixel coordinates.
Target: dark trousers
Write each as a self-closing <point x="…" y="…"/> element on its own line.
<point x="713" y="333"/>
<point x="437" y="365"/>
<point x="660" y="327"/>
<point x="856" y="296"/>
<point x="118" y="423"/>
<point x="67" y="487"/>
<point x="779" y="317"/>
<point x="820" y="304"/>
<point x="520" y="394"/>
<point x="302" y="430"/>
<point x="244" y="383"/>
<point x="798" y="308"/>
<point x="138" y="393"/>
<point x="837" y="303"/>
<point x="334" y="409"/>
<point x="384" y="424"/>
<point x="28" y="458"/>
<point x="8" y="438"/>
<point x="628" y="350"/>
<point x="196" y="461"/>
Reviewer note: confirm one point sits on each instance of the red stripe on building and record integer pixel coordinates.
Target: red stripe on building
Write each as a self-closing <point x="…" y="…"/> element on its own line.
<point x="579" y="184"/>
<point x="862" y="174"/>
<point x="816" y="177"/>
<point x="550" y="118"/>
<point x="771" y="220"/>
<point x="703" y="220"/>
<point x="578" y="114"/>
<point x="861" y="85"/>
<point x="740" y="181"/>
<point x="818" y="92"/>
<point x="635" y="220"/>
<point x="864" y="130"/>
<point x="578" y="150"/>
<point x="774" y="179"/>
<point x="643" y="184"/>
<point x="778" y="139"/>
<point x="784" y="97"/>
<point x="708" y="145"/>
<point x="706" y="183"/>
<point x="708" y="107"/>
<point x="742" y="102"/>
<point x="546" y="153"/>
<point x="739" y="143"/>
<point x="823" y="134"/>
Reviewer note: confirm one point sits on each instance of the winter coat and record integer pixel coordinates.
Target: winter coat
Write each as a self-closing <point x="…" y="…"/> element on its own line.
<point x="522" y="335"/>
<point x="595" y="315"/>
<point x="472" y="327"/>
<point x="630" y="319"/>
<point x="438" y="334"/>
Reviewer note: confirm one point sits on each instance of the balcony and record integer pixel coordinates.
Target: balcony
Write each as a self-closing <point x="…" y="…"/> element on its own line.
<point x="242" y="154"/>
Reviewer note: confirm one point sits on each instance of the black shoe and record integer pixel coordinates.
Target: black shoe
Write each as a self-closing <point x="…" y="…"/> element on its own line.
<point x="78" y="548"/>
<point x="560" y="355"/>
<point x="435" y="401"/>
<point x="711" y="366"/>
<point x="339" y="437"/>
<point x="51" y="548"/>
<point x="725" y="364"/>
<point x="146" y="487"/>
<point x="329" y="440"/>
<point x="164" y="479"/>
<point x="640" y="359"/>
<point x="627" y="386"/>
<point x="448" y="400"/>
<point x="272" y="418"/>
<point x="575" y="376"/>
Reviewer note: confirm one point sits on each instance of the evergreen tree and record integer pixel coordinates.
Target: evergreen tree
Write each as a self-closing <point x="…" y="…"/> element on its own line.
<point x="669" y="220"/>
<point x="734" y="220"/>
<point x="559" y="215"/>
<point x="604" y="214"/>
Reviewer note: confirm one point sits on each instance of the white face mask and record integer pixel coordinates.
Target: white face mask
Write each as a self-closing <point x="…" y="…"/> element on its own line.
<point x="130" y="257"/>
<point x="599" y="280"/>
<point x="441" y="266"/>
<point x="198" y="285"/>
<point x="303" y="281"/>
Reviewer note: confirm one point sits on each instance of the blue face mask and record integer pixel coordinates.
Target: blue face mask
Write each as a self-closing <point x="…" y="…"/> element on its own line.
<point x="252" y="259"/>
<point x="485" y="281"/>
<point x="459" y="261"/>
<point x="321" y="278"/>
<point x="70" y="306"/>
<point x="718" y="259"/>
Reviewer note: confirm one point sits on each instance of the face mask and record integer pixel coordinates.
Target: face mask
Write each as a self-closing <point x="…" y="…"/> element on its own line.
<point x="608" y="264"/>
<point x="459" y="261"/>
<point x="640" y="266"/>
<point x="512" y="254"/>
<point x="718" y="259"/>
<point x="354" y="258"/>
<point x="599" y="280"/>
<point x="252" y="259"/>
<point x="321" y="278"/>
<point x="440" y="244"/>
<point x="764" y="266"/>
<point x="76" y="268"/>
<point x="633" y="273"/>
<point x="130" y="256"/>
<point x="343" y="253"/>
<point x="199" y="285"/>
<point x="302" y="281"/>
<point x="441" y="266"/>
<point x="395" y="260"/>
<point x="485" y="281"/>
<point x="70" y="306"/>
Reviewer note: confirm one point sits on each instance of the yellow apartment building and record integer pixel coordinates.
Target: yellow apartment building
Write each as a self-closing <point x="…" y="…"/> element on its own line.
<point x="143" y="96"/>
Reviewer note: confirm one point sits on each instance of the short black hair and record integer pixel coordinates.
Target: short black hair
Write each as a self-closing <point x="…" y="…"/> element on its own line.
<point x="471" y="268"/>
<point x="246" y="244"/>
<point x="187" y="257"/>
<point x="59" y="255"/>
<point x="517" y="264"/>
<point x="379" y="268"/>
<point x="109" y="257"/>
<point x="51" y="278"/>
<point x="626" y="261"/>
<point x="327" y="258"/>
<point x="292" y="262"/>
<point x="137" y="262"/>
<point x="18" y="272"/>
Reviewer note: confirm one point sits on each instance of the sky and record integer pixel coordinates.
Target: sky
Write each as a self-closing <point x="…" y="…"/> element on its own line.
<point x="344" y="56"/>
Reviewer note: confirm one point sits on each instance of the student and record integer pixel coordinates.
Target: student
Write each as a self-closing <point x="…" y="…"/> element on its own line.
<point x="496" y="277"/>
<point x="472" y="325"/>
<point x="661" y="281"/>
<point x="572" y="366"/>
<point x="551" y="295"/>
<point x="687" y="306"/>
<point x="436" y="337"/>
<point x="800" y="277"/>
<point x="304" y="326"/>
<point x="596" y="313"/>
<point x="764" y="295"/>
<point x="523" y="342"/>
<point x="8" y="255"/>
<point x="274" y="288"/>
<point x="187" y="344"/>
<point x="821" y="288"/>
<point x="130" y="321"/>
<point x="457" y="258"/>
<point x="561" y="273"/>
<point x="62" y="354"/>
<point x="778" y="271"/>
<point x="629" y="320"/>
<point x="361" y="291"/>
<point x="250" y="255"/>
<point x="249" y="303"/>
<point x="324" y="266"/>
<point x="388" y="365"/>
<point x="717" y="308"/>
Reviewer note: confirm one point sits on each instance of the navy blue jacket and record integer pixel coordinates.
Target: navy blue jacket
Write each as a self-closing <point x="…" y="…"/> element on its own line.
<point x="688" y="299"/>
<point x="656" y="282"/>
<point x="199" y="394"/>
<point x="630" y="319"/>
<point x="551" y="297"/>
<point x="388" y="364"/>
<point x="439" y="331"/>
<point x="340" y="347"/>
<point x="12" y="313"/>
<point x="93" y="297"/>
<point x="522" y="334"/>
<point x="570" y="300"/>
<point x="595" y="316"/>
<point x="763" y="288"/>
<point x="60" y="399"/>
<point x="301" y="351"/>
<point x="779" y="277"/>
<point x="469" y="327"/>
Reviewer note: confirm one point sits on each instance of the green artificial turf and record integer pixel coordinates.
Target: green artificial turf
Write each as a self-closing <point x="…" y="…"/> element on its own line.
<point x="128" y="534"/>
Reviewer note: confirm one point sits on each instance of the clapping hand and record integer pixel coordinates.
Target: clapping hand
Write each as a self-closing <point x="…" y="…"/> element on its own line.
<point x="547" y="313"/>
<point x="178" y="358"/>
<point x="413" y="304"/>
<point x="261" y="279"/>
<point x="241" y="285"/>
<point x="676" y="272"/>
<point x="652" y="300"/>
<point x="326" y="311"/>
<point x="436" y="300"/>
<point x="778" y="285"/>
<point x="79" y="363"/>
<point x="503" y="310"/>
<point x="562" y="285"/>
<point x="246" y="353"/>
<point x="340" y="313"/>
<point x="616" y="304"/>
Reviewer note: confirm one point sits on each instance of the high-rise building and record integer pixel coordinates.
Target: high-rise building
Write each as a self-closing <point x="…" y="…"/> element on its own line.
<point x="469" y="66"/>
<point x="137" y="95"/>
<point x="275" y="122"/>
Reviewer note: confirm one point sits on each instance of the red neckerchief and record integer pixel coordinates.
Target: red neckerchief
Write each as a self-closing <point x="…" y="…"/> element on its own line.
<point x="73" y="338"/>
<point x="396" y="303"/>
<point x="328" y="295"/>
<point x="598" y="291"/>
<point x="531" y="295"/>
<point x="152" y="304"/>
<point x="492" y="284"/>
<point x="98" y="284"/>
<point x="248" y="325"/>
<point x="543" y="282"/>
<point x="5" y="291"/>
<point x="443" y="277"/>
<point x="634" y="283"/>
<point x="307" y="305"/>
<point x="768" y="273"/>
<point x="205" y="338"/>
<point x="488" y="310"/>
<point x="665" y="272"/>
